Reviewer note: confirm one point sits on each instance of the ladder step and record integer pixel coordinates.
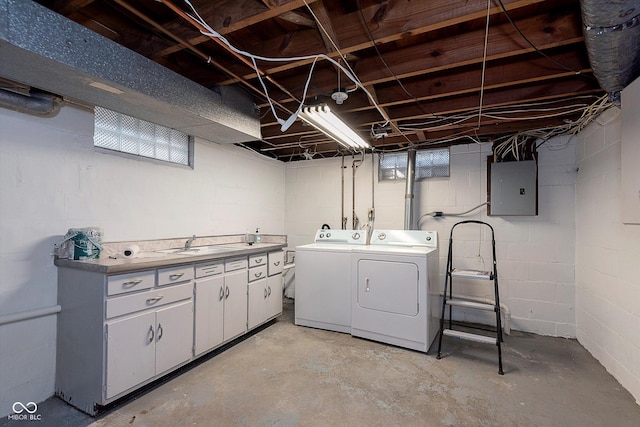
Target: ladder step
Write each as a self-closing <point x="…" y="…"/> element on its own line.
<point x="471" y="304"/>
<point x="472" y="274"/>
<point x="471" y="337"/>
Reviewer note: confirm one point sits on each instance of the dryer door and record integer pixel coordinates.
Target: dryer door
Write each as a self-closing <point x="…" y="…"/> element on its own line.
<point x="389" y="299"/>
<point x="391" y="287"/>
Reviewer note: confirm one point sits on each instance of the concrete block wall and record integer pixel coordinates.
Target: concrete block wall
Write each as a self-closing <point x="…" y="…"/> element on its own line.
<point x="535" y="253"/>
<point x="607" y="255"/>
<point x="52" y="179"/>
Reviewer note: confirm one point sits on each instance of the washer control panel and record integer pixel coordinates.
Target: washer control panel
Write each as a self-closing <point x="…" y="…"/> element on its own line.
<point x="348" y="237"/>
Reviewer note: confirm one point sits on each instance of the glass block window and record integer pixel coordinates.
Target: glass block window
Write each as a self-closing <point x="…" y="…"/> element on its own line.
<point x="429" y="164"/>
<point x="126" y="134"/>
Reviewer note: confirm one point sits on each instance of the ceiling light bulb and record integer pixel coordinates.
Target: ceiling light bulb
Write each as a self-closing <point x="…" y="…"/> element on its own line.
<point x="328" y="123"/>
<point x="339" y="96"/>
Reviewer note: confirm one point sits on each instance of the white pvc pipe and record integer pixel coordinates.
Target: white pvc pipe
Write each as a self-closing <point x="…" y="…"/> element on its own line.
<point x="30" y="314"/>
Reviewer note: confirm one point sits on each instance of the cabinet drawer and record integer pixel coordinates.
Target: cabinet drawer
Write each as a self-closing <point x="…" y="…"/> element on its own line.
<point x="167" y="276"/>
<point x="120" y="306"/>
<point x="276" y="262"/>
<point x="259" y="259"/>
<point x="233" y="264"/>
<point x="257" y="273"/>
<point x="209" y="268"/>
<point x="130" y="282"/>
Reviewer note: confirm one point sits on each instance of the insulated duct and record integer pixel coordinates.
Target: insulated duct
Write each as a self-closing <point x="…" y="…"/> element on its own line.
<point x="612" y="36"/>
<point x="409" y="196"/>
<point x="37" y="103"/>
<point x="44" y="50"/>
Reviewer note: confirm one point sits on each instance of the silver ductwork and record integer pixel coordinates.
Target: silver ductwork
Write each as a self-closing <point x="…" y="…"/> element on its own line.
<point x="47" y="51"/>
<point x="409" y="194"/>
<point x="612" y="36"/>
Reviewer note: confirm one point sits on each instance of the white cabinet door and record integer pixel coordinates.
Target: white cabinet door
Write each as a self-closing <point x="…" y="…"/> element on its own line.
<point x="257" y="303"/>
<point x="235" y="304"/>
<point x="209" y="313"/>
<point x="276" y="262"/>
<point x="130" y="352"/>
<point x="174" y="335"/>
<point x="274" y="295"/>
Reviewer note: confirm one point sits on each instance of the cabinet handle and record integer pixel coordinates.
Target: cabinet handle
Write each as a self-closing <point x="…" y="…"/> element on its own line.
<point x="226" y="295"/>
<point x="152" y="334"/>
<point x="221" y="293"/>
<point x="265" y="292"/>
<point x="154" y="300"/>
<point x="277" y="263"/>
<point x="160" y="330"/>
<point x="131" y="283"/>
<point x="366" y="284"/>
<point x="176" y="276"/>
<point x="269" y="294"/>
<point x="258" y="274"/>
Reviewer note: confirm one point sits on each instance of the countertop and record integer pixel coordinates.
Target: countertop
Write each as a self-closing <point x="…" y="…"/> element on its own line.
<point x="151" y="260"/>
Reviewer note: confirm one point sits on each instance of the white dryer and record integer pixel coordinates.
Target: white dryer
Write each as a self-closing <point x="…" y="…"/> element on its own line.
<point x="323" y="280"/>
<point x="395" y="288"/>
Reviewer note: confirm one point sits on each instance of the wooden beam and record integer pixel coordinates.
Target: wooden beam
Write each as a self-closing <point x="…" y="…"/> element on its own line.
<point x="229" y="25"/>
<point x="460" y="51"/>
<point x="404" y="20"/>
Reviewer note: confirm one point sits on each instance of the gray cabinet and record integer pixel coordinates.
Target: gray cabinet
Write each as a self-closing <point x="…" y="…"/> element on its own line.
<point x="118" y="332"/>
<point x="274" y="296"/>
<point x="209" y="313"/>
<point x="144" y="345"/>
<point x="131" y="352"/>
<point x="220" y="303"/>
<point x="235" y="304"/>
<point x="265" y="287"/>
<point x="174" y="336"/>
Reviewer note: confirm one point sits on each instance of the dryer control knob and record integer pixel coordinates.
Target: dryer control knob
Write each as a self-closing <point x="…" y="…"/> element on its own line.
<point x="321" y="235"/>
<point x="382" y="236"/>
<point x="328" y="235"/>
<point x="356" y="236"/>
<point x="428" y="238"/>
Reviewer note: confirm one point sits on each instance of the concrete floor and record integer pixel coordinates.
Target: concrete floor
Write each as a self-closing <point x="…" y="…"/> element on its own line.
<point x="286" y="375"/>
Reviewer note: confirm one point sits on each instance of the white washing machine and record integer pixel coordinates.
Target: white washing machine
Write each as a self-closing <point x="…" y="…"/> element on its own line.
<point x="395" y="290"/>
<point x="323" y="280"/>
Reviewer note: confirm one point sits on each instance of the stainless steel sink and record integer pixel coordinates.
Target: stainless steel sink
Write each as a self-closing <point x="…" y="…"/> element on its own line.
<point x="198" y="250"/>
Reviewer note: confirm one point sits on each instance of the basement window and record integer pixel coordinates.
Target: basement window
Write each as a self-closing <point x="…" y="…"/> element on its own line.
<point x="429" y="164"/>
<point x="119" y="132"/>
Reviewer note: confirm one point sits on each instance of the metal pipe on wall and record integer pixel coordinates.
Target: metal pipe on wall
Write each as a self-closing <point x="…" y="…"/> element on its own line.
<point x="409" y="196"/>
<point x="30" y="314"/>
<point x="354" y="217"/>
<point x="37" y="103"/>
<point x="342" y="217"/>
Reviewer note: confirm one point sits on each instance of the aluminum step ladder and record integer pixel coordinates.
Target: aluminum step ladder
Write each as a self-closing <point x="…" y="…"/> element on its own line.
<point x="449" y="301"/>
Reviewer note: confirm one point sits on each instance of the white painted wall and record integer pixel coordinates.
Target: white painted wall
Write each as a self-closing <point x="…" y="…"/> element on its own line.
<point x="52" y="179"/>
<point x="607" y="255"/>
<point x="535" y="253"/>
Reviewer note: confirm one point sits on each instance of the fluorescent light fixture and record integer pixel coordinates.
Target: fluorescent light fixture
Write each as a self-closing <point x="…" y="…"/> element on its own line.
<point x="325" y="121"/>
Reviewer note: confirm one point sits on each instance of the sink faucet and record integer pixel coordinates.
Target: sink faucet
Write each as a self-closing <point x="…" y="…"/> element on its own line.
<point x="188" y="243"/>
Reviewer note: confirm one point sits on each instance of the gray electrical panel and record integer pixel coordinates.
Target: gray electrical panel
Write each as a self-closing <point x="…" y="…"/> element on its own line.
<point x="513" y="188"/>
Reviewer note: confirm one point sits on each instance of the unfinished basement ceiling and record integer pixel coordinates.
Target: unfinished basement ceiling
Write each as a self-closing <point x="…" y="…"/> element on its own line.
<point x="423" y="62"/>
